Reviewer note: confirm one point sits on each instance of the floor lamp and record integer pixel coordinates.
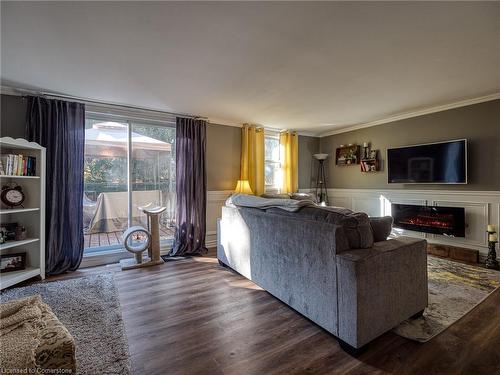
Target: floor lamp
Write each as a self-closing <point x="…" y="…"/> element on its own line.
<point x="321" y="193"/>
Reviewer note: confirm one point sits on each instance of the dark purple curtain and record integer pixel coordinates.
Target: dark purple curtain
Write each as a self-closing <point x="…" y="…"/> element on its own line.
<point x="59" y="126"/>
<point x="191" y="187"/>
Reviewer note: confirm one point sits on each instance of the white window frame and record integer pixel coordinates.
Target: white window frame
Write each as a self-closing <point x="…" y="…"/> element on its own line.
<point x="272" y="189"/>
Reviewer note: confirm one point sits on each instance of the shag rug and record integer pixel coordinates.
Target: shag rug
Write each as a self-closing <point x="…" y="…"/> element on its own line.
<point x="454" y="290"/>
<point x="90" y="309"/>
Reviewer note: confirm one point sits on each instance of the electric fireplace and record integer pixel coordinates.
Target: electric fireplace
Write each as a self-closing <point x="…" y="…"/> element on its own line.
<point x="448" y="221"/>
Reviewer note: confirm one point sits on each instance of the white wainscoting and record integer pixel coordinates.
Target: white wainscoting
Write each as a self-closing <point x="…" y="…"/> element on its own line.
<point x="215" y="201"/>
<point x="481" y="208"/>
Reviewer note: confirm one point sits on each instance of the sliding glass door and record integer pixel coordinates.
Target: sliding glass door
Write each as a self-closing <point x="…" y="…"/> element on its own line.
<point x="153" y="175"/>
<point x="128" y="165"/>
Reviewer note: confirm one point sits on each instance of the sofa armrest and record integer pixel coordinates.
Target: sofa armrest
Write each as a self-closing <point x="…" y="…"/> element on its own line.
<point x="378" y="288"/>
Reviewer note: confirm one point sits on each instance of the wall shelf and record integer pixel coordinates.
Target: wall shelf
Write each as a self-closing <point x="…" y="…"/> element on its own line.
<point x="347" y="155"/>
<point x="370" y="165"/>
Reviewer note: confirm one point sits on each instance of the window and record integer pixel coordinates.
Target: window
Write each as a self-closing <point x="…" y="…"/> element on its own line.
<point x="129" y="164"/>
<point x="272" y="162"/>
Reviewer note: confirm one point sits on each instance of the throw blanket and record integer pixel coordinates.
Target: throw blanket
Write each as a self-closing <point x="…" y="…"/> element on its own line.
<point x="244" y="200"/>
<point x="20" y="325"/>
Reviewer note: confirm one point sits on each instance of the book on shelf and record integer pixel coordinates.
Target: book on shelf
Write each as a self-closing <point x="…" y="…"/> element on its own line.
<point x="366" y="167"/>
<point x="17" y="165"/>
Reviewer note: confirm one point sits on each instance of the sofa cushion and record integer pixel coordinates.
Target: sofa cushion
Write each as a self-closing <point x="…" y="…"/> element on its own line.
<point x="381" y="227"/>
<point x="356" y="225"/>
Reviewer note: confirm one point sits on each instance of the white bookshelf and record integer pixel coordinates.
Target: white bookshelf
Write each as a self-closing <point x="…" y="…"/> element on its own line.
<point x="32" y="215"/>
<point x="19" y="177"/>
<point x="12" y="244"/>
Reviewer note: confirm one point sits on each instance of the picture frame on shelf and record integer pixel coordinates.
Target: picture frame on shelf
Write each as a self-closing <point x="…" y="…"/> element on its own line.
<point x="13" y="262"/>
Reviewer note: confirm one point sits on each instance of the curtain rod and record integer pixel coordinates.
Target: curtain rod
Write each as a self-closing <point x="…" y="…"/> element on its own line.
<point x="46" y="94"/>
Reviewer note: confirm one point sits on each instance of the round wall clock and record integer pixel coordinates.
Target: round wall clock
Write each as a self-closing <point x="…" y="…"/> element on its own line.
<point x="12" y="196"/>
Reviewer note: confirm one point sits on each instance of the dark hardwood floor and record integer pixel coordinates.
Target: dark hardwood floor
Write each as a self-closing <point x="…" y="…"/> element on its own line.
<point x="195" y="317"/>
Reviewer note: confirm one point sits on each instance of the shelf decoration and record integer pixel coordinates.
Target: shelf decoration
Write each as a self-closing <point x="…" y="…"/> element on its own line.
<point x="347" y="155"/>
<point x="21" y="233"/>
<point x="12" y="195"/>
<point x="8" y="231"/>
<point x="369" y="161"/>
<point x="491" y="260"/>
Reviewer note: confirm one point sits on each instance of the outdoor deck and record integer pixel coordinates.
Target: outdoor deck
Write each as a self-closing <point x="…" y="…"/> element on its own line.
<point x="115" y="238"/>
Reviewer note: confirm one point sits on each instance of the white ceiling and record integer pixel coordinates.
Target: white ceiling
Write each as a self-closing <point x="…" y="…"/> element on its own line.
<point x="307" y="66"/>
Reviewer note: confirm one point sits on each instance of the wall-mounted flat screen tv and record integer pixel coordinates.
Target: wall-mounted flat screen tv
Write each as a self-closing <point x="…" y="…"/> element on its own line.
<point x="430" y="163"/>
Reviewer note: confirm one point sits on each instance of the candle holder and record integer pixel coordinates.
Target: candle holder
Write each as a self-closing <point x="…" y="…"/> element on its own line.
<point x="366" y="151"/>
<point x="491" y="259"/>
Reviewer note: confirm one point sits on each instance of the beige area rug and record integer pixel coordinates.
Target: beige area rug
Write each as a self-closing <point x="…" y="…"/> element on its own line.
<point x="454" y="290"/>
<point x="90" y="309"/>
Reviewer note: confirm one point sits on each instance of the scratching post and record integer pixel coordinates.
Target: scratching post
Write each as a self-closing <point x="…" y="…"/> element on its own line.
<point x="144" y="240"/>
<point x="154" y="222"/>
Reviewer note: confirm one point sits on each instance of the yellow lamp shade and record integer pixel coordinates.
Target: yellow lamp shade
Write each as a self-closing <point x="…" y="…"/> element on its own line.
<point x="243" y="187"/>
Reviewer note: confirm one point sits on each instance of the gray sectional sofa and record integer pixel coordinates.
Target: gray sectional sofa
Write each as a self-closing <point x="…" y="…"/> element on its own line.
<point x="311" y="261"/>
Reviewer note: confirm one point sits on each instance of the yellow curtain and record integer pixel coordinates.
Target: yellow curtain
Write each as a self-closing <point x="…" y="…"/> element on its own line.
<point x="252" y="157"/>
<point x="290" y="161"/>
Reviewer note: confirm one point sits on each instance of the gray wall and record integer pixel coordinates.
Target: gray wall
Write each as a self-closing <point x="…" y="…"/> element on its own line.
<point x="12" y="116"/>
<point x="223" y="156"/>
<point x="307" y="164"/>
<point x="223" y="143"/>
<point x="479" y="123"/>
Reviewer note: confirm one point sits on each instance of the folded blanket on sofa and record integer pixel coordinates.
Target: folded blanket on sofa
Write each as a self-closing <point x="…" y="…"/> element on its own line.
<point x="20" y="325"/>
<point x="252" y="201"/>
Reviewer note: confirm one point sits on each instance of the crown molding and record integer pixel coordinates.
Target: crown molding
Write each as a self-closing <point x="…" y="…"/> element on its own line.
<point x="415" y="113"/>
<point x="307" y="133"/>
